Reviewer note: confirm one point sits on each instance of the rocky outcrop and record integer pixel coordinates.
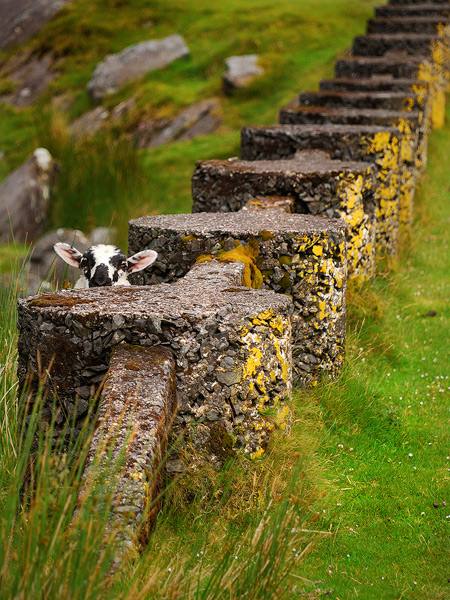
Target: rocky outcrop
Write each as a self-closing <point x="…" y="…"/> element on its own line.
<point x="32" y="75"/>
<point x="21" y="19"/>
<point x="133" y="62"/>
<point x="24" y="198"/>
<point x="198" y="119"/>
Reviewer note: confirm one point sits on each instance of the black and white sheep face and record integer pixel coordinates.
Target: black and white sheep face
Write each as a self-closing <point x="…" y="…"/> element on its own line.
<point x="104" y="264"/>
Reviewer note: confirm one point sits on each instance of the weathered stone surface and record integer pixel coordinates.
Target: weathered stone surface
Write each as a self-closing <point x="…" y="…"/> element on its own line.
<point x="410" y="10"/>
<point x="376" y="83"/>
<point x="378" y="145"/>
<point x="366" y="99"/>
<point x="318" y="185"/>
<point x="21" y="19"/>
<point x="66" y="338"/>
<point x="400" y="65"/>
<point x="32" y="77"/>
<point x="298" y="255"/>
<point x="376" y="44"/>
<point x="136" y="411"/>
<point x="133" y="62"/>
<point x="413" y="142"/>
<point x="424" y="25"/>
<point x="100" y="118"/>
<point x="201" y="118"/>
<point x="24" y="198"/>
<point x="242" y="70"/>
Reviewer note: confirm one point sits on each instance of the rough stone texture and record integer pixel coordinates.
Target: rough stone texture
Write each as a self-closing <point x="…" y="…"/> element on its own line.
<point x="366" y="99"/>
<point x="32" y="74"/>
<point x="232" y="347"/>
<point x="24" y="198"/>
<point x="400" y="65"/>
<point x="201" y="118"/>
<point x="411" y="10"/>
<point x="99" y="118"/>
<point x="413" y="144"/>
<point x="133" y="62"/>
<point x="136" y="411"/>
<point x="416" y="24"/>
<point x="242" y="70"/>
<point x="420" y="2"/>
<point x="298" y="255"/>
<point x="318" y="185"/>
<point x="380" y="146"/>
<point x="21" y="19"/>
<point x="376" y="44"/>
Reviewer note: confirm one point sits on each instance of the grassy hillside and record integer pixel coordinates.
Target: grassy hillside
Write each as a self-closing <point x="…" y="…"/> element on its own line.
<point x="355" y="502"/>
<point x="298" y="41"/>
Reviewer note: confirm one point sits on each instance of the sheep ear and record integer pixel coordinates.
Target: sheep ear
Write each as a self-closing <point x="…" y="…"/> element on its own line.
<point x="139" y="261"/>
<point x="68" y="253"/>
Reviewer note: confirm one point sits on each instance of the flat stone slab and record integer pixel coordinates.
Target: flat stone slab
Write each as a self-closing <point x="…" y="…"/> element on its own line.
<point x="284" y="204"/>
<point x="380" y="146"/>
<point x="376" y="84"/>
<point x="133" y="62"/>
<point x="299" y="255"/>
<point x="232" y="347"/>
<point x="137" y="408"/>
<point x="319" y="186"/>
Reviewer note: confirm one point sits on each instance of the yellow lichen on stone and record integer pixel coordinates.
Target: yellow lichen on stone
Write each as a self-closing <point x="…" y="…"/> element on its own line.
<point x="245" y="254"/>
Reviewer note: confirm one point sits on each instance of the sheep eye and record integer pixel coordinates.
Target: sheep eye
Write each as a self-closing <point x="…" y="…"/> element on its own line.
<point x="124" y="265"/>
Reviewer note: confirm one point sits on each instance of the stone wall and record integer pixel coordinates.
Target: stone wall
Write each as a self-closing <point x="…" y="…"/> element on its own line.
<point x="245" y="297"/>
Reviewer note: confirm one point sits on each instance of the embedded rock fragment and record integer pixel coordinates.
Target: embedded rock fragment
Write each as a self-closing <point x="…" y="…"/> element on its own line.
<point x="377" y="145"/>
<point x="25" y="196"/>
<point x="133" y="62"/>
<point x="301" y="256"/>
<point x="242" y="70"/>
<point x="231" y="344"/>
<point x="32" y="75"/>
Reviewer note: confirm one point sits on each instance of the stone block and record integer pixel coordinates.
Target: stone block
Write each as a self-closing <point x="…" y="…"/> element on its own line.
<point x="137" y="408"/>
<point x="413" y="142"/>
<point x="296" y="255"/>
<point x="400" y="65"/>
<point x="231" y="344"/>
<point x="384" y="100"/>
<point x="380" y="146"/>
<point x="428" y="25"/>
<point x="318" y="185"/>
<point x="413" y="10"/>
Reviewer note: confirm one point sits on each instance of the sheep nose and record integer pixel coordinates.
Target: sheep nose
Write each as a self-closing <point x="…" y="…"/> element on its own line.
<point x="100" y="277"/>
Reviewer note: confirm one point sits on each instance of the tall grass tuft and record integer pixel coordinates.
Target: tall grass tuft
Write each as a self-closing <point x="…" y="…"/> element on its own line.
<point x="101" y="181"/>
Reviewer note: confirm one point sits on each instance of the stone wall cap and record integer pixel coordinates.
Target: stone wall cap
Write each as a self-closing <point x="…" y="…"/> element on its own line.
<point x="327" y="128"/>
<point x="242" y="224"/>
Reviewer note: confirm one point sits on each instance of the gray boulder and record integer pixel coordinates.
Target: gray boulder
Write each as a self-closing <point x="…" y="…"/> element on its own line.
<point x="24" y="198"/>
<point x="242" y="70"/>
<point x="133" y="62"/>
<point x="21" y="19"/>
<point x="32" y="74"/>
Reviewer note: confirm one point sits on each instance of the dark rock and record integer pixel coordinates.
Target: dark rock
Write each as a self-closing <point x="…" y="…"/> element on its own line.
<point x="133" y="62"/>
